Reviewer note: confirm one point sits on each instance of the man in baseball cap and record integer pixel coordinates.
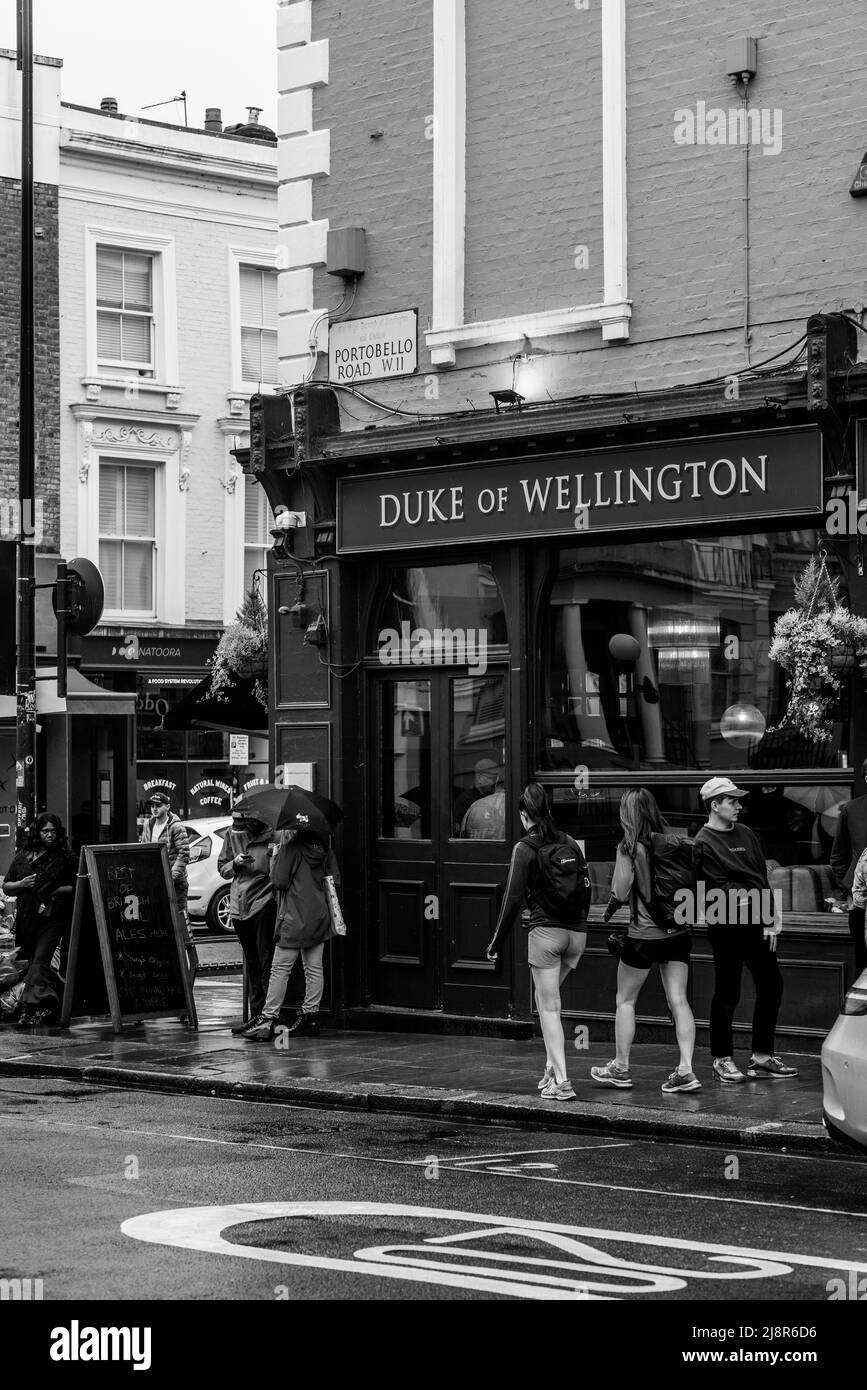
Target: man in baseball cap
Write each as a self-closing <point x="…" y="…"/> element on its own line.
<point x="743" y="923"/>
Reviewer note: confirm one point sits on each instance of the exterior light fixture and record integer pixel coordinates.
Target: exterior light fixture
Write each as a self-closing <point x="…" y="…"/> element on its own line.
<point x="510" y="400"/>
<point x="859" y="185"/>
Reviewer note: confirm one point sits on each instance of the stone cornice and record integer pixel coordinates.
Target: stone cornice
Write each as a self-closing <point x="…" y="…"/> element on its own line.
<point x="88" y="145"/>
<point x="142" y="419"/>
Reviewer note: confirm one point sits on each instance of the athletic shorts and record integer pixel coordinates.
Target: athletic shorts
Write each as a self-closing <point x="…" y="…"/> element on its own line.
<point x="555" y="946"/>
<point x="641" y="955"/>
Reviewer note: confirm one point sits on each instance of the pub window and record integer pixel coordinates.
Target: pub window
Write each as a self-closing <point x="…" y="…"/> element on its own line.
<point x="457" y="607"/>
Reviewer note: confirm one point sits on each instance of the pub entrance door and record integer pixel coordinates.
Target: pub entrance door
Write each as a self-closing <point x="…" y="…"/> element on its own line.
<point x="439" y="852"/>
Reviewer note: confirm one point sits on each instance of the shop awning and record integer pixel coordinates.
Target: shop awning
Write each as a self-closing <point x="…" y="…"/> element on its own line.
<point x="82" y="697"/>
<point x="239" y="713"/>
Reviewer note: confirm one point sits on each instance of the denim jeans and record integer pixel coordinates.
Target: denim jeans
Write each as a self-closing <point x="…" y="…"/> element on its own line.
<point x="281" y="968"/>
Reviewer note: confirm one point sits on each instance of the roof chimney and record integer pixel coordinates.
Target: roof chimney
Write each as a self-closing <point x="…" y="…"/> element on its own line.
<point x="253" y="114"/>
<point x="214" y="119"/>
<point x="109" y="105"/>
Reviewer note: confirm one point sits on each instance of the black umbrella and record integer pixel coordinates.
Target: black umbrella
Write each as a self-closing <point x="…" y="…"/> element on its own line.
<point x="265" y="803"/>
<point x="303" y="810"/>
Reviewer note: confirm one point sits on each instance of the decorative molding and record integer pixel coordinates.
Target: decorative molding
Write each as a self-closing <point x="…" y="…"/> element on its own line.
<point x="237" y="405"/>
<point x="138" y="434"/>
<point x="181" y="164"/>
<point x="184" y="479"/>
<point x="92" y="391"/>
<point x="231" y="482"/>
<point x="85" y="435"/>
<point x="173" y="400"/>
<point x="448" y="331"/>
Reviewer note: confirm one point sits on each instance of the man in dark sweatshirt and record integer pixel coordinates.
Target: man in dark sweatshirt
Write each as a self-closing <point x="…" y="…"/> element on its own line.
<point x="743" y="923"/>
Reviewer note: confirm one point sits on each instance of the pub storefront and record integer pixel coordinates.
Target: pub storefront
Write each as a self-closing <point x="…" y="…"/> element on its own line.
<point x="594" y="619"/>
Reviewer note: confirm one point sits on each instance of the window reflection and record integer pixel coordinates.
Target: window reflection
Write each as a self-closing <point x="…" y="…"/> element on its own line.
<point x="657" y="656"/>
<point x="460" y="602"/>
<point x="478" y="758"/>
<point x="405" y="776"/>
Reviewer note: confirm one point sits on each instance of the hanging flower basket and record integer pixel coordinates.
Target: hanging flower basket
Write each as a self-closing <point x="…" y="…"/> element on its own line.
<point x="243" y="651"/>
<point x="819" y="643"/>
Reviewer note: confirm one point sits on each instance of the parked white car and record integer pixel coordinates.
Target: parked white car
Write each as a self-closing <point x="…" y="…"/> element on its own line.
<point x="209" y="893"/>
<point x="844" y="1070"/>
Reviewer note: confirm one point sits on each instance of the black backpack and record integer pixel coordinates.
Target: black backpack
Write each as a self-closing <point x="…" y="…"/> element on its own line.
<point x="562" y="880"/>
<point x="675" y="868"/>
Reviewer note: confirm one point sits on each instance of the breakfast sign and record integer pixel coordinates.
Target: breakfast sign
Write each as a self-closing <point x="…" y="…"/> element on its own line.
<point x="721" y="479"/>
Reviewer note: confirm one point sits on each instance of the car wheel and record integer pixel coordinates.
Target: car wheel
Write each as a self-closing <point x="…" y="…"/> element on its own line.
<point x="217" y="915"/>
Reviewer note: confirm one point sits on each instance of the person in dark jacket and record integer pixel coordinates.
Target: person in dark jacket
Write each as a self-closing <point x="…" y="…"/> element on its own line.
<point x="299" y="870"/>
<point x="554" y="948"/>
<point x="41" y="878"/>
<point x="245" y="860"/>
<point x="850" y="842"/>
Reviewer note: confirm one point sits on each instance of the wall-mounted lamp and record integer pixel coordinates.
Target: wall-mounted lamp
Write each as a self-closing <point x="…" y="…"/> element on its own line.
<point x="510" y="400"/>
<point x="317" y="632"/>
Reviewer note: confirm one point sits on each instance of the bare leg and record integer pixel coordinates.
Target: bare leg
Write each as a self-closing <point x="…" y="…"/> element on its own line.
<point x="629" y="982"/>
<point x="675" y="974"/>
<point x="547" y="984"/>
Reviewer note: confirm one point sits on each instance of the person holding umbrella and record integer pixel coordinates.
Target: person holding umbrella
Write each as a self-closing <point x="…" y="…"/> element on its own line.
<point x="300" y="872"/>
<point x="245" y="860"/>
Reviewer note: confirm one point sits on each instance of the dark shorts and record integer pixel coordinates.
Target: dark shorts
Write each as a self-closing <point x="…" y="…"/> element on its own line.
<point x="641" y="955"/>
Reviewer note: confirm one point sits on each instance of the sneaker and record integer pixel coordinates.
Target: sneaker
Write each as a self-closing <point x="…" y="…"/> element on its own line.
<point x="612" y="1075"/>
<point x="564" y="1090"/>
<point x="547" y="1077"/>
<point x="242" y="1025"/>
<point x="680" y="1081"/>
<point x="773" y="1067"/>
<point x="304" y="1023"/>
<point x="725" y="1070"/>
<point x="259" y="1029"/>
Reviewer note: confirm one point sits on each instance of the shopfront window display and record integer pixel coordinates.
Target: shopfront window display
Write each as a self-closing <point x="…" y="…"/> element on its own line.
<point x="656" y="661"/>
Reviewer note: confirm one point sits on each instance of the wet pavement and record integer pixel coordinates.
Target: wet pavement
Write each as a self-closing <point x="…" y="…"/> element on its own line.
<point x="483" y="1077"/>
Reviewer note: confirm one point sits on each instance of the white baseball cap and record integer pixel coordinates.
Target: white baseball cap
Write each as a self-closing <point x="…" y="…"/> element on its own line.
<point x="720" y="786"/>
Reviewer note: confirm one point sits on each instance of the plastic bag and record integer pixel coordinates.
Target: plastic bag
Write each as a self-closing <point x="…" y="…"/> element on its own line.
<point x="10" y="998"/>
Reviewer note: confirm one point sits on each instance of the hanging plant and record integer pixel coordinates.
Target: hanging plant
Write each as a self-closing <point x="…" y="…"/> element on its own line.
<point x="818" y="643"/>
<point x="243" y="651"/>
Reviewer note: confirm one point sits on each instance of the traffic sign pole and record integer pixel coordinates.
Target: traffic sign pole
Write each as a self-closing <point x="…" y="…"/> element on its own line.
<point x="25" y="686"/>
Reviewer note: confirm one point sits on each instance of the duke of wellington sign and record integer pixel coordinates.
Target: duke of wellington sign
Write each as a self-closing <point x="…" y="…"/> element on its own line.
<point x="729" y="478"/>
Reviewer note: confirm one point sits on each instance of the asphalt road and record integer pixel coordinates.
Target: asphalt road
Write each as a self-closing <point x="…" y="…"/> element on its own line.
<point x="113" y="1194"/>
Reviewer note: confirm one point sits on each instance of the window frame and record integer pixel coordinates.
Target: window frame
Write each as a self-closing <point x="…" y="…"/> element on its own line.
<point x="138" y="614"/>
<point x="255" y="258"/>
<point x="164" y="316"/>
<point x="147" y="369"/>
<point x="261" y="549"/>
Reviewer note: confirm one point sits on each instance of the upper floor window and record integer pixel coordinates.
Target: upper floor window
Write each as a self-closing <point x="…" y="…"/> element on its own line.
<point x="127" y="537"/>
<point x="125" y="310"/>
<point x="258" y="325"/>
<point x="257" y="525"/>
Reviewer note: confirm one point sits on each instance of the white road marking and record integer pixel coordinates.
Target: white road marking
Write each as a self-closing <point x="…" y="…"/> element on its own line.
<point x="522" y="1153"/>
<point x="444" y="1164"/>
<point x="201" y="1228"/>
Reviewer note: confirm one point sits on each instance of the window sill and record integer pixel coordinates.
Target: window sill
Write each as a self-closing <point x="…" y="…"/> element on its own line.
<point x="613" y="319"/>
<point x="132" y="386"/>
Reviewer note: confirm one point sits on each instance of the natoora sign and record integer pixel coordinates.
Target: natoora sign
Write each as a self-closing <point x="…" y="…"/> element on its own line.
<point x="727" y="478"/>
<point x="373" y="348"/>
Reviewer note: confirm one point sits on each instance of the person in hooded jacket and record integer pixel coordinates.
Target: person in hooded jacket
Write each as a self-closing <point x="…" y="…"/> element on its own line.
<point x="299" y="869"/>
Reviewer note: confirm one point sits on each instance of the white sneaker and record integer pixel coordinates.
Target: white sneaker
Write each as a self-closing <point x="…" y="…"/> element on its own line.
<point x="725" y="1070"/>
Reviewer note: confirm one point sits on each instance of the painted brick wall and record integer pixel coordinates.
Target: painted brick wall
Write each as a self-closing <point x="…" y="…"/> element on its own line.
<point x="685" y="208"/>
<point x="204" y="348"/>
<point x="47" y="350"/>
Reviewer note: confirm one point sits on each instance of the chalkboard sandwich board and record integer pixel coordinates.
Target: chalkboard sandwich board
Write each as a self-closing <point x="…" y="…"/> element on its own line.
<point x="126" y="948"/>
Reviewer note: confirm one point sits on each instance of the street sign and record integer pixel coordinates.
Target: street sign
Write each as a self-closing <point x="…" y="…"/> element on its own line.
<point x="239" y="750"/>
<point x="373" y="348"/>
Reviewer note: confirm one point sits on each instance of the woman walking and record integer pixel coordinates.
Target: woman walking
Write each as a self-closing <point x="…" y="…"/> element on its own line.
<point x="548" y="871"/>
<point x="646" y="944"/>
<point x="299" y="870"/>
<point x="41" y="877"/>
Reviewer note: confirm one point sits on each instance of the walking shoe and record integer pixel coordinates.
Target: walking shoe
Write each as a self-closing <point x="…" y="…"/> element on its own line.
<point x="612" y="1075"/>
<point x="547" y="1077"/>
<point x="563" y="1090"/>
<point x="259" y="1029"/>
<point x="304" y="1023"/>
<point x="681" y="1081"/>
<point x="773" y="1067"/>
<point x="25" y="1019"/>
<point x="724" y="1069"/>
<point x="242" y="1025"/>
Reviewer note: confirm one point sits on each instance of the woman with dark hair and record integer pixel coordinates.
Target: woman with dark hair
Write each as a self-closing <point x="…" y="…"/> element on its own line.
<point x="557" y="928"/>
<point x="41" y="877"/>
<point x="646" y="944"/>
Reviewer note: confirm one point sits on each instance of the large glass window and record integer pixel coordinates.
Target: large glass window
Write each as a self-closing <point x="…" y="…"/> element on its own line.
<point x="127" y="536"/>
<point x="656" y="657"/>
<point x="457" y="608"/>
<point x="405" y="776"/>
<point x="478" y="742"/>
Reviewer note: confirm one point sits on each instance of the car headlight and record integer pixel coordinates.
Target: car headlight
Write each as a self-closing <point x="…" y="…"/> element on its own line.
<point x="856" y="1000"/>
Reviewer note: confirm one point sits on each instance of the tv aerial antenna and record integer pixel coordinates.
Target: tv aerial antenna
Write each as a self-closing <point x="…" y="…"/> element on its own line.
<point x="170" y="102"/>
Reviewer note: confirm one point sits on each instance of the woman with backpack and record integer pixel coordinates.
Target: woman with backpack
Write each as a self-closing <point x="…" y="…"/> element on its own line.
<point x="549" y="872"/>
<point x="648" y="943"/>
<point x="300" y="868"/>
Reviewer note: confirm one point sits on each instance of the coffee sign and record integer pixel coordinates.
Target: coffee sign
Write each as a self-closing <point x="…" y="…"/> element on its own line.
<point x="709" y="481"/>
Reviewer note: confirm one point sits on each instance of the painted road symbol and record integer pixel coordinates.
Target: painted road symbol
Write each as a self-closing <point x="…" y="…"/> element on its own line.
<point x="506" y="1255"/>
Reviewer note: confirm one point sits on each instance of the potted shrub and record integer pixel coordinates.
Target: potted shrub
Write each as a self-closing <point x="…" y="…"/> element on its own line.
<point x="243" y="651"/>
<point x="818" y="643"/>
